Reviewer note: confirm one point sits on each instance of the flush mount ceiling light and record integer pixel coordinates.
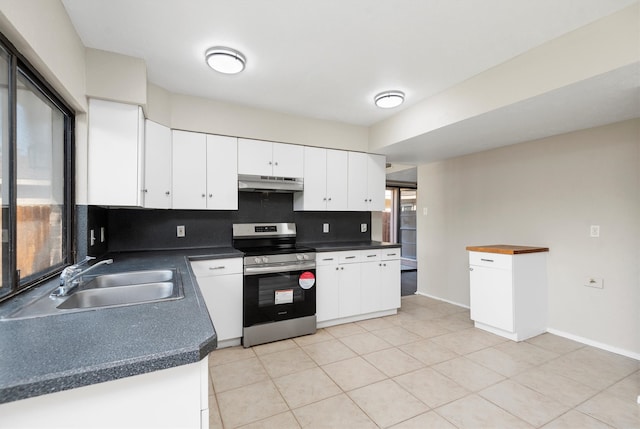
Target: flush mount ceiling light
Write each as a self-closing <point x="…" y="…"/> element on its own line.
<point x="389" y="99"/>
<point x="225" y="60"/>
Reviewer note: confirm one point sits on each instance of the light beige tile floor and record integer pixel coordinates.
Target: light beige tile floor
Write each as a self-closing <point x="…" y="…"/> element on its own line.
<point x="426" y="367"/>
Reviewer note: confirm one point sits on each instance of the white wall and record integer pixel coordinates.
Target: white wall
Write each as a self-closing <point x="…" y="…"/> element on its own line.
<point x="545" y="193"/>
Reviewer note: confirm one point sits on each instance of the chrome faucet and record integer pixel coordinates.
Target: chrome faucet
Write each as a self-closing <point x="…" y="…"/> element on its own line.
<point x="70" y="276"/>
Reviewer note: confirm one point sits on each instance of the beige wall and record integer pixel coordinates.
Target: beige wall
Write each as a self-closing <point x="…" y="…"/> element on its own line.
<point x="545" y="193"/>
<point x="600" y="47"/>
<point x="43" y="33"/>
<point x="216" y="117"/>
<point x="116" y="77"/>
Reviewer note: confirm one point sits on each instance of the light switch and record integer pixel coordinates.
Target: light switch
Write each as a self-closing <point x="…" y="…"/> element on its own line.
<point x="180" y="232"/>
<point x="363" y="227"/>
<point x="325" y="227"/>
<point x="594" y="231"/>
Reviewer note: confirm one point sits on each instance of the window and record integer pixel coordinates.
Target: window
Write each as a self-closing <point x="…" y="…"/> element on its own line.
<point x="36" y="181"/>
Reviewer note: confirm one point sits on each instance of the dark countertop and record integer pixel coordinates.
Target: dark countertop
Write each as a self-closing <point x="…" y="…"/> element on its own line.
<point x="349" y="245"/>
<point x="54" y="353"/>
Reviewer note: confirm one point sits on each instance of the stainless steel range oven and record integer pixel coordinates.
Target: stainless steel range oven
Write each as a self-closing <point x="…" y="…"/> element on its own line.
<point x="279" y="293"/>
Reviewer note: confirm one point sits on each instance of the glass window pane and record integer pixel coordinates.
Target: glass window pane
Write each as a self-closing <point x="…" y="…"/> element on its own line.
<point x="40" y="182"/>
<point x="4" y="170"/>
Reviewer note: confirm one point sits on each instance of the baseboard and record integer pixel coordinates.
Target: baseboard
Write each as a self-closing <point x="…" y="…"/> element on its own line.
<point x="443" y="300"/>
<point x="582" y="340"/>
<point x="597" y="344"/>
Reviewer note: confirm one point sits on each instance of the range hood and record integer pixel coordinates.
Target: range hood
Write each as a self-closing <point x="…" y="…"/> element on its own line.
<point x="251" y="183"/>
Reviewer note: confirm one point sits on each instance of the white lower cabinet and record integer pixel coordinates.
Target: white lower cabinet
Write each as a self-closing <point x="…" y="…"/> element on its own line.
<point x="358" y="284"/>
<point x="508" y="293"/>
<point x="175" y="397"/>
<point x="220" y="282"/>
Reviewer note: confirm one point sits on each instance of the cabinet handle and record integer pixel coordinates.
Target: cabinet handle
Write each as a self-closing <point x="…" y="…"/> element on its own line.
<point x="365" y="200"/>
<point x="329" y="198"/>
<point x="328" y="259"/>
<point x="337" y="268"/>
<point x="342" y="268"/>
<point x="470" y="268"/>
<point x="270" y="163"/>
<point x="210" y="195"/>
<point x="276" y="163"/>
<point x="167" y="193"/>
<point x="369" y="199"/>
<point x="324" y="199"/>
<point x="145" y="190"/>
<point x="219" y="267"/>
<point x="350" y="257"/>
<point x="203" y="195"/>
<point x="391" y="254"/>
<point x="371" y="256"/>
<point x="486" y="260"/>
<point x="384" y="265"/>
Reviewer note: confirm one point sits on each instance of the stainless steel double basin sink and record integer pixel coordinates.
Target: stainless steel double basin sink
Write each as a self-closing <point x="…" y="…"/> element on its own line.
<point x="107" y="291"/>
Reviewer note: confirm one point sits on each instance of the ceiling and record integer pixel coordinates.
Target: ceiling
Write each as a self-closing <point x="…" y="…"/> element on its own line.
<point x="327" y="59"/>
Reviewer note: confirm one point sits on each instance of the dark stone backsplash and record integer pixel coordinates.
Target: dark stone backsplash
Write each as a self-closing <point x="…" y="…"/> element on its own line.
<point x="147" y="229"/>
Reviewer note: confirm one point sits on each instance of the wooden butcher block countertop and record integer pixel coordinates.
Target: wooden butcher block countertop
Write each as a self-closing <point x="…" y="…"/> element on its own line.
<point x="506" y="249"/>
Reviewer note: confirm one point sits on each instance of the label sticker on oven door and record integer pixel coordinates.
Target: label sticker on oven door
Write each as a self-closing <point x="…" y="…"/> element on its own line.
<point x="307" y="280"/>
<point x="284" y="296"/>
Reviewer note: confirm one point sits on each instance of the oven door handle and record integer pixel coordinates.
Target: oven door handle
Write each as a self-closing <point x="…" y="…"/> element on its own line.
<point x="250" y="271"/>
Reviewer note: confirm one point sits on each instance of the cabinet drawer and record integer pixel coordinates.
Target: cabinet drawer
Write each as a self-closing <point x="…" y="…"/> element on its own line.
<point x="370" y="255"/>
<point x="327" y="258"/>
<point x="389" y="254"/>
<point x="491" y="260"/>
<point x="216" y="267"/>
<point x="350" y="257"/>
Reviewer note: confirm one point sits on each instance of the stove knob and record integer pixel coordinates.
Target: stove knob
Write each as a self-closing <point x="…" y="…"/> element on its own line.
<point x="265" y="259"/>
<point x="256" y="260"/>
<point x="305" y="257"/>
<point x="299" y="257"/>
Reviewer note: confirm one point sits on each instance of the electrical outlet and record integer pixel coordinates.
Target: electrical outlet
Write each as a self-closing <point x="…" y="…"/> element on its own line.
<point x="92" y="237"/>
<point x="363" y="227"/>
<point x="180" y="231"/>
<point x="594" y="231"/>
<point x="424" y="211"/>
<point x="325" y="228"/>
<point x="595" y="282"/>
<point x="102" y="238"/>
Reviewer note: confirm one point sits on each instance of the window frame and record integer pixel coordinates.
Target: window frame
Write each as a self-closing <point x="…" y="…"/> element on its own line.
<point x="20" y="66"/>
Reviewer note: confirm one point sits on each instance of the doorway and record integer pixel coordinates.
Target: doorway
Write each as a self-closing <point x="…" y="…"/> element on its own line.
<point x="399" y="226"/>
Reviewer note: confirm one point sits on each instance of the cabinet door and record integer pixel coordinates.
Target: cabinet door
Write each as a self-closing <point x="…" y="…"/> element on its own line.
<point x="288" y="160"/>
<point x="157" y="166"/>
<point x="255" y="157"/>
<point x="491" y="297"/>
<point x="328" y="292"/>
<point x="357" y="181"/>
<point x="336" y="173"/>
<point x="314" y="196"/>
<point x="350" y="290"/>
<point x="371" y="287"/>
<point x="222" y="172"/>
<point x="390" y="290"/>
<point x="189" y="170"/>
<point x="223" y="296"/>
<point x="376" y="181"/>
<point x="115" y="154"/>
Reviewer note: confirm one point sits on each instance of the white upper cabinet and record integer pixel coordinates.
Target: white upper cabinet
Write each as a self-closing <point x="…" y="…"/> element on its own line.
<point x="116" y="154"/>
<point x="325" y="181"/>
<point x="366" y="182"/>
<point x="222" y="172"/>
<point x="157" y="166"/>
<point x="264" y="158"/>
<point x="204" y="171"/>
<point x="189" y="170"/>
